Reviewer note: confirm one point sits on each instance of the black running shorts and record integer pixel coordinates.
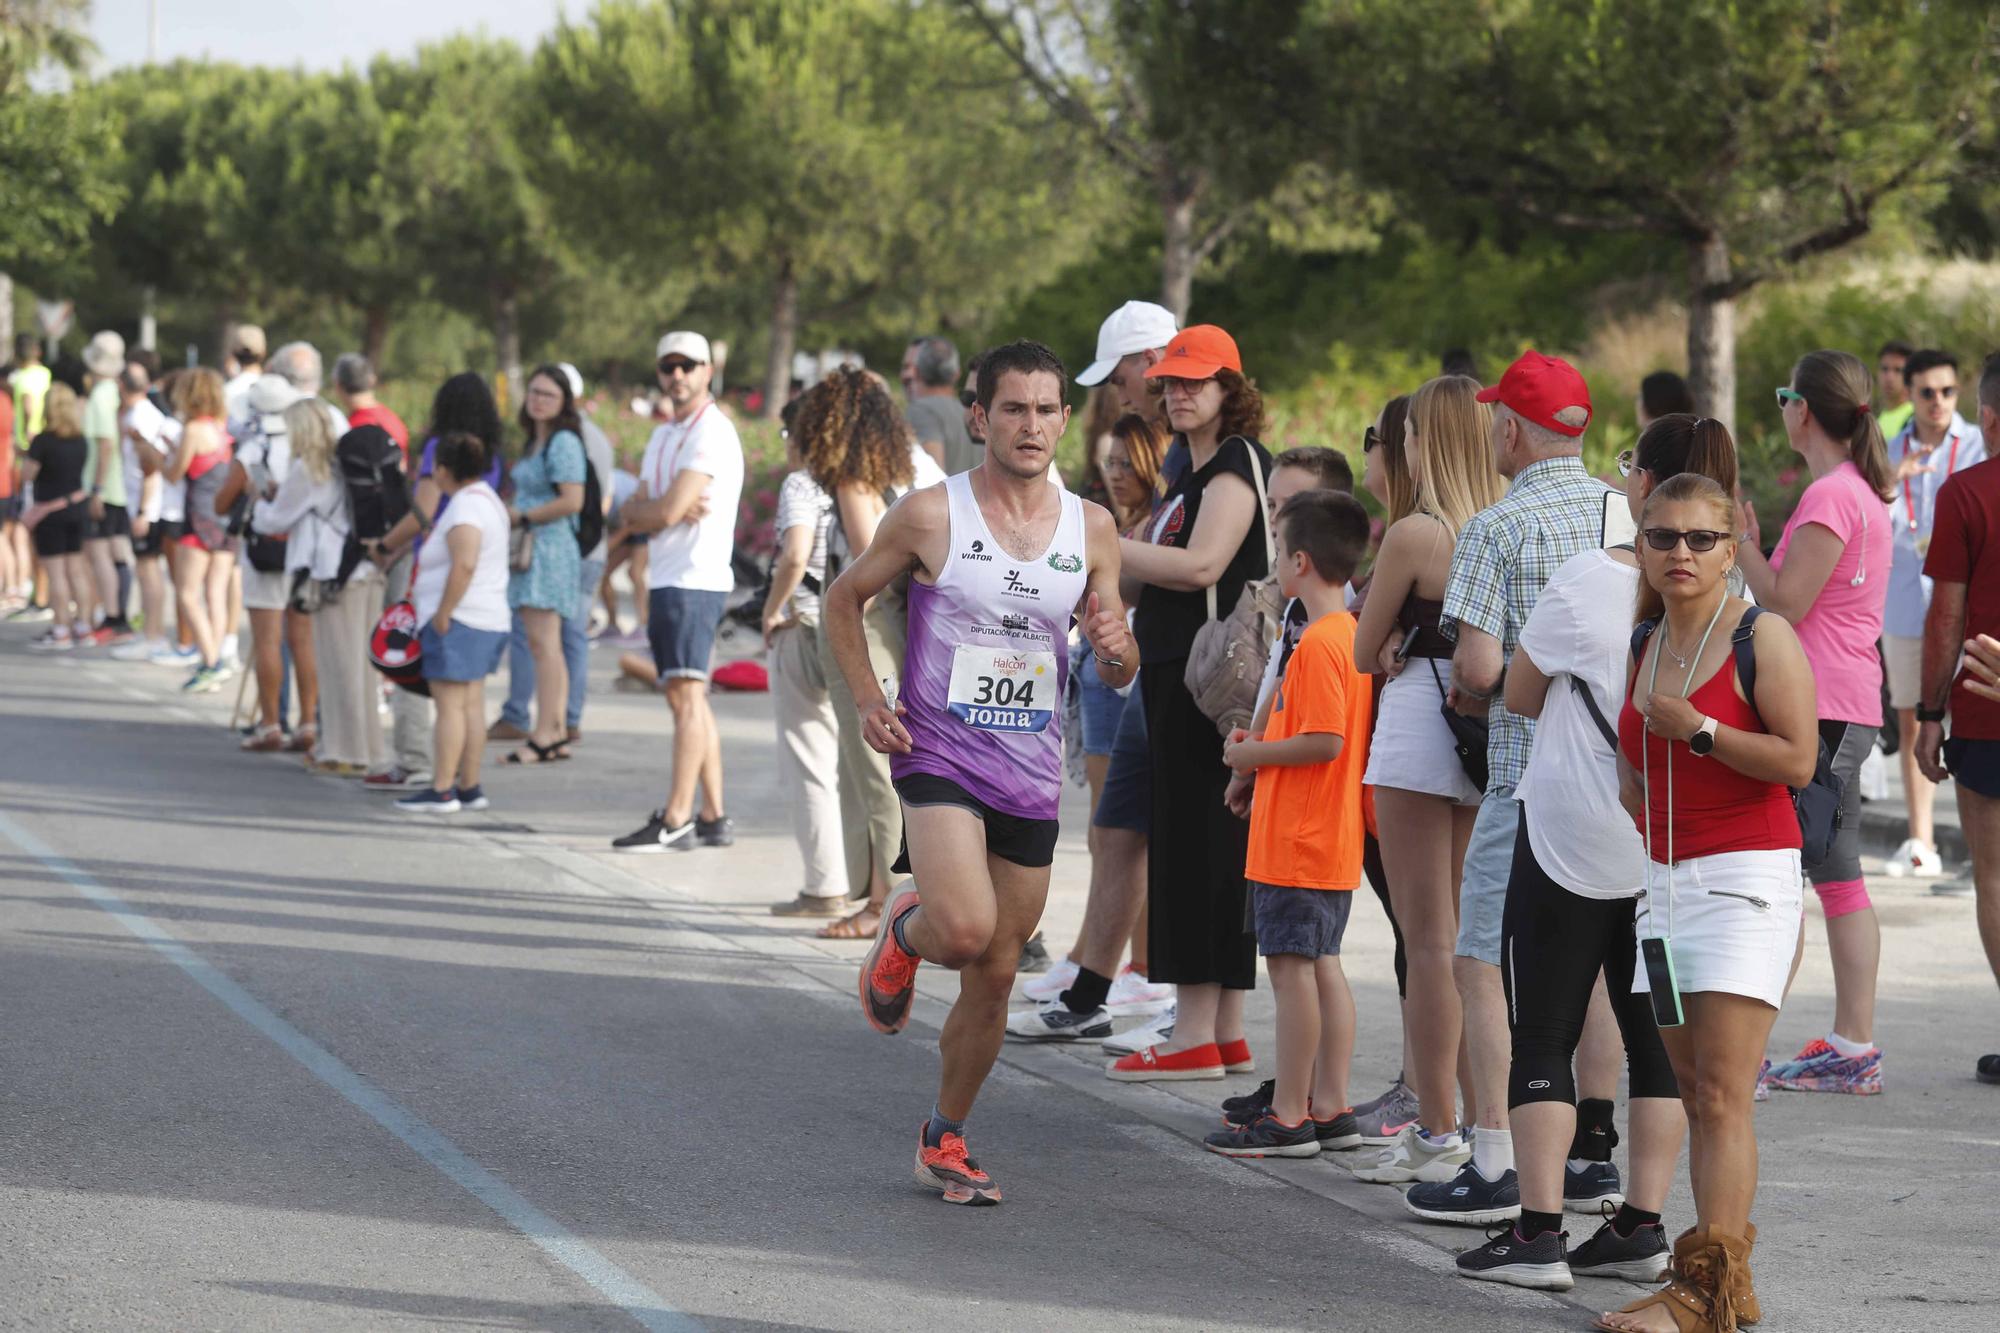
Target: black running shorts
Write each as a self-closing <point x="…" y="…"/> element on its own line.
<point x="1025" y="842"/>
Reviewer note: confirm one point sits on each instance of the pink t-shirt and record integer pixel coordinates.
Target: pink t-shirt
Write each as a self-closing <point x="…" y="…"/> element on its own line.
<point x="1840" y="631"/>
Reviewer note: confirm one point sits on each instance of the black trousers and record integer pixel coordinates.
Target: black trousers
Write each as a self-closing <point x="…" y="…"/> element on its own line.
<point x="1553" y="943"/>
<point x="1194" y="875"/>
<point x="1371" y="863"/>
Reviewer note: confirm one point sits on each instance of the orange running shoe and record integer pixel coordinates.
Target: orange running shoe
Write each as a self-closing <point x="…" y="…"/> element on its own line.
<point x="889" y="975"/>
<point x="947" y="1168"/>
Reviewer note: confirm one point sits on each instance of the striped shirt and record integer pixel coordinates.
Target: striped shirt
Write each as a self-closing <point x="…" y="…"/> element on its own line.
<point x="1504" y="556"/>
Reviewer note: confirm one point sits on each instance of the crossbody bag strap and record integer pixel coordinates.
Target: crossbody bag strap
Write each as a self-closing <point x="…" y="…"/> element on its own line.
<point x="1596" y="714"/>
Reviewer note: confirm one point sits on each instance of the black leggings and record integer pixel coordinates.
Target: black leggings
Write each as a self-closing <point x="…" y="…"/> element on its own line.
<point x="1371" y="862"/>
<point x="1553" y="943"/>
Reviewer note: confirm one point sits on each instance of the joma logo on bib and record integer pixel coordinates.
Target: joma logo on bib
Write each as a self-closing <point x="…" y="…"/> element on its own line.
<point x="1017" y="588"/>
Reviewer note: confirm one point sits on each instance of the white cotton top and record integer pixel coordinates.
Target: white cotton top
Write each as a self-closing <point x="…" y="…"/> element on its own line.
<point x="1582" y="627"/>
<point x="695" y="555"/>
<point x="484" y="605"/>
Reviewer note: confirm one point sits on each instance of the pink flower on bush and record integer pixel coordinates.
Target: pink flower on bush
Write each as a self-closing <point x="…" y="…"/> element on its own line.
<point x="1788" y="476"/>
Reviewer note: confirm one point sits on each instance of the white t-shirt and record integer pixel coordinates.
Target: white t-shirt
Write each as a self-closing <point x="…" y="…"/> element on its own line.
<point x="1582" y="627"/>
<point x="695" y="555"/>
<point x="484" y="605"/>
<point x="163" y="433"/>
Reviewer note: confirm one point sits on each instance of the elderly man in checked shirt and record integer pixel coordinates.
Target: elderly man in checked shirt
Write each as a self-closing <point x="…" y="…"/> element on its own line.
<point x="1552" y="510"/>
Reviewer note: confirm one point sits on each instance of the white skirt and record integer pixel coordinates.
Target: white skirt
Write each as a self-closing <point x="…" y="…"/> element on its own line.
<point x="1734" y="922"/>
<point x="1412" y="749"/>
<point x="265" y="591"/>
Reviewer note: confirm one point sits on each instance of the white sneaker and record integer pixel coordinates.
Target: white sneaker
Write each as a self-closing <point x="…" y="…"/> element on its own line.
<point x="1413" y="1157"/>
<point x="1914" y="860"/>
<point x="1131" y="993"/>
<point x="1050" y="984"/>
<point x="1148" y="1034"/>
<point x="1055" y="1022"/>
<point x="139" y="650"/>
<point x="167" y="655"/>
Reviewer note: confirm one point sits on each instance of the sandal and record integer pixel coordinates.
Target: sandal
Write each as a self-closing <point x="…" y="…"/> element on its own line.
<point x="1697" y="1296"/>
<point x="264" y="740"/>
<point x="863" y="925"/>
<point x="544" y="754"/>
<point x="303" y="739"/>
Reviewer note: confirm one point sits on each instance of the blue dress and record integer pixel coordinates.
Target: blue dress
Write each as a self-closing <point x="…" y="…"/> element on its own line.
<point x="554" y="581"/>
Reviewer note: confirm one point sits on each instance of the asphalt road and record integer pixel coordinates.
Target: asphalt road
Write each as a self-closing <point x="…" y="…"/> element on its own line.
<point x="277" y="1057"/>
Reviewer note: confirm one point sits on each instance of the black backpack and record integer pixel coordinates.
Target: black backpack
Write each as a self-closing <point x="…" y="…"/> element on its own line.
<point x="590" y="520"/>
<point x="1818" y="802"/>
<point x="378" y="494"/>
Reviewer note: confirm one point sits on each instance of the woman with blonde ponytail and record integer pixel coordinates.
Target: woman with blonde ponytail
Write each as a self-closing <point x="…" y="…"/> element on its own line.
<point x="1829" y="576"/>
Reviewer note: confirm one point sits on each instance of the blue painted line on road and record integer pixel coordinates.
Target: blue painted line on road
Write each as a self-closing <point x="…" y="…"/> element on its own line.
<point x="616" y="1285"/>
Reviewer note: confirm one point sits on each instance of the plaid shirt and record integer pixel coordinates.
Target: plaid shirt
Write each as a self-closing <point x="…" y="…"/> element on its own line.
<point x="1505" y="555"/>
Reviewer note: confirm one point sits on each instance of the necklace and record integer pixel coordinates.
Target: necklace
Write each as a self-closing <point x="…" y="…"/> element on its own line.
<point x="1667" y="646"/>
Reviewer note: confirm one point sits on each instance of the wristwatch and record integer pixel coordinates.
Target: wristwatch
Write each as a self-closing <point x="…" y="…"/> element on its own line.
<point x="1929" y="714"/>
<point x="1703" y="740"/>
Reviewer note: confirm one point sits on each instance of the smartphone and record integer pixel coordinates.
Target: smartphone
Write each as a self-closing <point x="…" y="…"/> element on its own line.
<point x="1403" y="648"/>
<point x="1658" y="955"/>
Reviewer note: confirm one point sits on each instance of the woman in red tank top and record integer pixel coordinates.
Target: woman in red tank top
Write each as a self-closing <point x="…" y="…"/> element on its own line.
<point x="1704" y="771"/>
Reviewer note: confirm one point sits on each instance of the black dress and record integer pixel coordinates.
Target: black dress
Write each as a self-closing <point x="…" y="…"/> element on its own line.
<point x="1194" y="881"/>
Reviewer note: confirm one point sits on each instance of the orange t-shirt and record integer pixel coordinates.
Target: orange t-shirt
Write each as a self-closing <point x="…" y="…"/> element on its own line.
<point x="1305" y="820"/>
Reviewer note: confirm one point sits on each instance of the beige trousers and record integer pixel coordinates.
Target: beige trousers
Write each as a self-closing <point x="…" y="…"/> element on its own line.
<point x="349" y="730"/>
<point x="871" y="818"/>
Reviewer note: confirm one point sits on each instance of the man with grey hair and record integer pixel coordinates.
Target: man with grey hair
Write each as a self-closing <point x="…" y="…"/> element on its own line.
<point x="930" y="384"/>
<point x="1505" y="554"/>
<point x="354" y="381"/>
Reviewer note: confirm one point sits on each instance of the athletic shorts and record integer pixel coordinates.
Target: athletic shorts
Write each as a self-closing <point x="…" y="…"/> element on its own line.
<point x="1306" y="922"/>
<point x="160" y="534"/>
<point x="1489" y="866"/>
<point x="681" y="625"/>
<point x="1903" y="663"/>
<point x="60" y="532"/>
<point x="117" y="522"/>
<point x="1975" y="766"/>
<point x="1025" y="842"/>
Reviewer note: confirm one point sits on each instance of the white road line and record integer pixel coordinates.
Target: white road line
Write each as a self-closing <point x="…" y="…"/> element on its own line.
<point x="634" y="1297"/>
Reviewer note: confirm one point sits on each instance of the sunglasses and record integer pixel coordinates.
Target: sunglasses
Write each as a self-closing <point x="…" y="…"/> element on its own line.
<point x="670" y="366"/>
<point x="1371" y="440"/>
<point x="1948" y="392"/>
<point x="967" y="397"/>
<point x="1699" y="540"/>
<point x="1627" y="462"/>
<point x="1787" y="396"/>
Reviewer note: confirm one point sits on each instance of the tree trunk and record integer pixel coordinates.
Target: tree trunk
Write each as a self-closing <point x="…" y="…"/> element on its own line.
<point x="1712" y="330"/>
<point x="507" y="344"/>
<point x="149" y="324"/>
<point x="7" y="317"/>
<point x="1177" y="243"/>
<point x="374" y="334"/>
<point x="784" y="338"/>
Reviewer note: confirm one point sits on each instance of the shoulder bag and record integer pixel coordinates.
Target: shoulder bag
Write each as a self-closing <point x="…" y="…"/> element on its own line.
<point x="1470" y="736"/>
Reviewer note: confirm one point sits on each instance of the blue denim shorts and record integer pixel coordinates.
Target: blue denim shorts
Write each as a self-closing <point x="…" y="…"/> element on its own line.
<point x="1127" y="799"/>
<point x="681" y="625"/>
<point x="1099" y="705"/>
<point x="461" y="653"/>
<point x="1489" y="866"/>
<point x="1306" y="922"/>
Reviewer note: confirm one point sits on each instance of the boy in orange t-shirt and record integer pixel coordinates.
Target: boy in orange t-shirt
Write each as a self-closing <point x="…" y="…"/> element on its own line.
<point x="1306" y="836"/>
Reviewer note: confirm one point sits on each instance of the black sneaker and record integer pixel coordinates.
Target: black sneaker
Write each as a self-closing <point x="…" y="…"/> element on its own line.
<point x="1988" y="1070"/>
<point x="1250" y="1108"/>
<point x="1587" y="1190"/>
<point x="1505" y="1257"/>
<point x="472" y="798"/>
<point x="1034" y="955"/>
<point x="717" y="832"/>
<point x="1056" y="1021"/>
<point x="1265" y="1138"/>
<point x="1338" y="1134"/>
<point x="1641" y="1256"/>
<point x="656" y="837"/>
<point x="1468" y="1198"/>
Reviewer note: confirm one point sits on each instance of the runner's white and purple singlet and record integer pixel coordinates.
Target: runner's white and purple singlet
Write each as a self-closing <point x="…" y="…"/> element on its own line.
<point x="987" y="659"/>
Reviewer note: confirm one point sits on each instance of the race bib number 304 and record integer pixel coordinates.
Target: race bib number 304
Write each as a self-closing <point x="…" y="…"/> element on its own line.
<point x="1003" y="689"/>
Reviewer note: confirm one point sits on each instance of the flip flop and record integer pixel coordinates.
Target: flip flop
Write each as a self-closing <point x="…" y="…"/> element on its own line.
<point x="544" y="754"/>
<point x="849" y="927"/>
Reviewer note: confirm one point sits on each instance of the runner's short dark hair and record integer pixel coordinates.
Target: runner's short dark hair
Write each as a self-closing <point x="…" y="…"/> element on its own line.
<point x="1329" y="467"/>
<point x="1928" y="359"/>
<point x="1331" y="527"/>
<point x="1024" y="357"/>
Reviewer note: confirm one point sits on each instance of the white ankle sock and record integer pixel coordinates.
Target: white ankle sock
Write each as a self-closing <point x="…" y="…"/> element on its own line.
<point x="1853" y="1050"/>
<point x="1492" y="1152"/>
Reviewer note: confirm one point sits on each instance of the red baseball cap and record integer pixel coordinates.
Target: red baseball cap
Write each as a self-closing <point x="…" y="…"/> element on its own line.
<point x="1540" y="386"/>
<point x="1196" y="353"/>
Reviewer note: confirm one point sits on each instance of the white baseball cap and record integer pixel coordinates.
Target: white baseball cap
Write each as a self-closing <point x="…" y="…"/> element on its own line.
<point x="575" y="378"/>
<point x="1136" y="326"/>
<point x="681" y="343"/>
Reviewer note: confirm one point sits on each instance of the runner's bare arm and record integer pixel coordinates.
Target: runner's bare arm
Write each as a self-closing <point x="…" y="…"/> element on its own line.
<point x="917" y="526"/>
<point x="1102" y="614"/>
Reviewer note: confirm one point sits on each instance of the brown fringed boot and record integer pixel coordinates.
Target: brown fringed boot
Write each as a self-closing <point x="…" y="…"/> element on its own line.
<point x="1707" y="1265"/>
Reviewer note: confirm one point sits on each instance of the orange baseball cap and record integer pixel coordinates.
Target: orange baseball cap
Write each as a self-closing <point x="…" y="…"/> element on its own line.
<point x="1196" y="353"/>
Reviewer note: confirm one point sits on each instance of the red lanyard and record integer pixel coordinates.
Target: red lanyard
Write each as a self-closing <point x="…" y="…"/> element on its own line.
<point x="1950" y="466"/>
<point x="660" y="476"/>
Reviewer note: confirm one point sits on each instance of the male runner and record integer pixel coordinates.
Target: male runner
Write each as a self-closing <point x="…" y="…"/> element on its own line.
<point x="1000" y="559"/>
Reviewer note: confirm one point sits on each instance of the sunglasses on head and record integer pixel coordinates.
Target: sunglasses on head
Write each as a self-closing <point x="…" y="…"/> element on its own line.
<point x="1948" y="392"/>
<point x="1699" y="540"/>
<point x="669" y="365"/>
<point x="967" y="397"/>
<point x="1371" y="439"/>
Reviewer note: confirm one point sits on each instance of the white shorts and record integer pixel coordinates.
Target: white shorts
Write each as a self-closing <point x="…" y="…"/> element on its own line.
<point x="1905" y="660"/>
<point x="1412" y="749"/>
<point x="1735" y="922"/>
<point x="264" y="592"/>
